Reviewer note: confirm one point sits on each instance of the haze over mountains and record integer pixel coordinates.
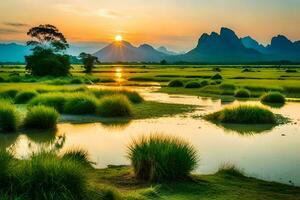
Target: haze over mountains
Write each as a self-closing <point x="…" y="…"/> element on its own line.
<point x="223" y="47"/>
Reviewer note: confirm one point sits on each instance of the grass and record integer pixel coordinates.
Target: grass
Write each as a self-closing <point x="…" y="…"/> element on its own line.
<point x="243" y="114"/>
<point x="41" y="117"/>
<point x="8" y="93"/>
<point x="273" y="97"/>
<point x="79" y="104"/>
<point x="114" y="106"/>
<point x="9" y="116"/>
<point x="242" y="93"/>
<point x="55" y="100"/>
<point x="79" y="156"/>
<point x="161" y="158"/>
<point x="25" y="96"/>
<point x="176" y="83"/>
<point x="216" y="77"/>
<point x="192" y="84"/>
<point x="133" y="96"/>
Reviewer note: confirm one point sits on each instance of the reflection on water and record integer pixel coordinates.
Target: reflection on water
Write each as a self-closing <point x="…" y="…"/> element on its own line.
<point x="246" y="129"/>
<point x="273" y="154"/>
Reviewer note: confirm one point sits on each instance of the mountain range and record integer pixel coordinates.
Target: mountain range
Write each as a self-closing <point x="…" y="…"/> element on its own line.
<point x="222" y="47"/>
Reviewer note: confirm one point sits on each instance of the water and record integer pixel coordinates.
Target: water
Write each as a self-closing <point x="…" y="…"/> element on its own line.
<point x="266" y="152"/>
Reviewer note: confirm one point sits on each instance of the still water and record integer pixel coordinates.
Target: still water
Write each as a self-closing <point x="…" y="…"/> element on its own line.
<point x="266" y="152"/>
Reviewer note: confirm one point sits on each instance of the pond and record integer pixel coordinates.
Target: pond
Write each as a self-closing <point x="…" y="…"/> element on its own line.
<point x="262" y="151"/>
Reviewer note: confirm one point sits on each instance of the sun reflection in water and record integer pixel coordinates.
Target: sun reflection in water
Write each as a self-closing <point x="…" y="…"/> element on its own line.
<point x="118" y="74"/>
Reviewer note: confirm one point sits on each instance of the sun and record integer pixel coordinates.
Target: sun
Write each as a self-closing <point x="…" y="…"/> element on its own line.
<point x="118" y="38"/>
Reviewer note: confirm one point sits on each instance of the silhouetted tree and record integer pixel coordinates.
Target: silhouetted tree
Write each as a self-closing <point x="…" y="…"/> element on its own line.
<point x="88" y="61"/>
<point x="48" y="57"/>
<point x="163" y="62"/>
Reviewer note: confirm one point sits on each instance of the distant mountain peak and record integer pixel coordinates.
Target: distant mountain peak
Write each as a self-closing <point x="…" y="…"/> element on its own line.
<point x="146" y="46"/>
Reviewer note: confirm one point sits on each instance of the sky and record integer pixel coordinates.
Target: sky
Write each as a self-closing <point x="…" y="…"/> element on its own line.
<point x="176" y="24"/>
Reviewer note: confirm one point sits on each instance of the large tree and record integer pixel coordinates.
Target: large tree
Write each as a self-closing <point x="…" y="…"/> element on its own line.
<point x="48" y="56"/>
<point x="88" y="61"/>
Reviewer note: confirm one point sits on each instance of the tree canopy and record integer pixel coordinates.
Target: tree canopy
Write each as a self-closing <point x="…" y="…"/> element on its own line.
<point x="88" y="61"/>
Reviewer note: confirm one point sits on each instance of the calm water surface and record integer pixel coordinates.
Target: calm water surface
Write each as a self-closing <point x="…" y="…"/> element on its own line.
<point x="270" y="153"/>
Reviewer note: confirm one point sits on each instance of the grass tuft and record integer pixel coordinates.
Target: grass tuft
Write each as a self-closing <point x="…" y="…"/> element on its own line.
<point x="216" y="77"/>
<point x="230" y="169"/>
<point x="133" y="96"/>
<point x="9" y="116"/>
<point x="273" y="97"/>
<point x="55" y="100"/>
<point x="114" y="106"/>
<point x="41" y="117"/>
<point x="243" y="114"/>
<point x="25" y="96"/>
<point x="242" y="93"/>
<point x="79" y="156"/>
<point x="160" y="158"/>
<point x="176" y="83"/>
<point x="193" y="84"/>
<point x="80" y="104"/>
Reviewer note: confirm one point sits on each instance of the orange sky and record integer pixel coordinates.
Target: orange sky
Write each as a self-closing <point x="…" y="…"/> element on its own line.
<point x="176" y="24"/>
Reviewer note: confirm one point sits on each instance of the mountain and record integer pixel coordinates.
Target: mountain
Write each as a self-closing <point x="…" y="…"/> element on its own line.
<point x="166" y="51"/>
<point x="223" y="47"/>
<point x="122" y="51"/>
<point x="13" y="52"/>
<point x="249" y="42"/>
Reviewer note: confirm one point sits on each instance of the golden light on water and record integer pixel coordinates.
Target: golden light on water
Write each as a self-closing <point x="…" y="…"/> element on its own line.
<point x="118" y="74"/>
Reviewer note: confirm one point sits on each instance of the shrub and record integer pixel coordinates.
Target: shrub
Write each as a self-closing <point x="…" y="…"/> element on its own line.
<point x="80" y="104"/>
<point x="242" y="93"/>
<point x="76" y="81"/>
<point x="216" y="76"/>
<point x="243" y="114"/>
<point x="114" y="106"/>
<point x="55" y="100"/>
<point x="193" y="84"/>
<point x="159" y="158"/>
<point x="9" y="116"/>
<point x="45" y="176"/>
<point x="25" y="96"/>
<point x="176" y="83"/>
<point x="273" y="97"/>
<point x="77" y="155"/>
<point x="41" y="117"/>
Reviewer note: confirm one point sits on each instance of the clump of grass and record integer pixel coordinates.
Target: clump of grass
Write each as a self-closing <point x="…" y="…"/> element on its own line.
<point x="79" y="156"/>
<point x="192" y="84"/>
<point x="216" y="77"/>
<point x="109" y="193"/>
<point x="55" y="100"/>
<point x="242" y="93"/>
<point x="204" y="83"/>
<point x="291" y="70"/>
<point x="46" y="176"/>
<point x="9" y="116"/>
<point x="41" y="117"/>
<point x="227" y="86"/>
<point x="133" y="96"/>
<point x="159" y="158"/>
<point x="176" y="83"/>
<point x="25" y="96"/>
<point x="114" y="106"/>
<point x="80" y="104"/>
<point x="243" y="114"/>
<point x="5" y="162"/>
<point x="76" y="81"/>
<point x="273" y="97"/>
<point x="231" y="170"/>
<point x="9" y="93"/>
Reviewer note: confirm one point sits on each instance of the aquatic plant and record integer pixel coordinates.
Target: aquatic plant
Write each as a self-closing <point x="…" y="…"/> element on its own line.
<point x="273" y="97"/>
<point x="9" y="116"/>
<point x="114" y="106"/>
<point x="159" y="158"/>
<point x="25" y="96"/>
<point x="41" y="117"/>
<point x="242" y="93"/>
<point x="176" y="83"/>
<point x="193" y="84"/>
<point x="80" y="104"/>
<point x="243" y="114"/>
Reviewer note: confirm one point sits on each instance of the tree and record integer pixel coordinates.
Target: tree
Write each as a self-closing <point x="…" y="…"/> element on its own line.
<point x="88" y="61"/>
<point x="48" y="57"/>
<point x="163" y="62"/>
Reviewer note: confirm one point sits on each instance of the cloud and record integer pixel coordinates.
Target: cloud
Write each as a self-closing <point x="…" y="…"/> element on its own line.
<point x="4" y="31"/>
<point x="107" y="13"/>
<point x="15" y="24"/>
